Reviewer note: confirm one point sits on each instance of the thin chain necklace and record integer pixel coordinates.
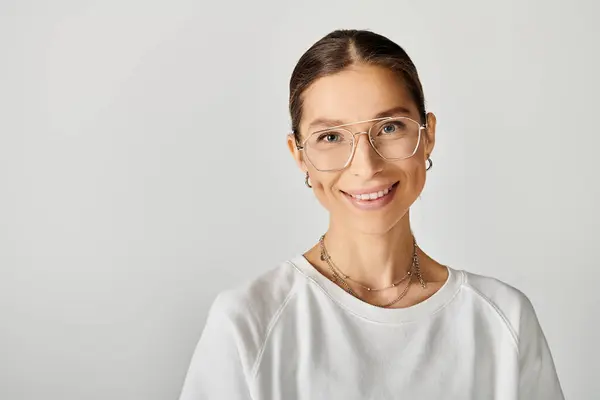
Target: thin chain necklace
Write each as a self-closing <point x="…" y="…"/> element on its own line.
<point x="340" y="278"/>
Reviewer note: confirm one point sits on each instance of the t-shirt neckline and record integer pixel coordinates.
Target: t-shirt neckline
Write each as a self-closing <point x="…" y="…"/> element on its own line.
<point x="430" y="306"/>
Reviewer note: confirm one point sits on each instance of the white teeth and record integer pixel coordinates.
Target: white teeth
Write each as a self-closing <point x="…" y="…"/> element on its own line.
<point x="372" y="196"/>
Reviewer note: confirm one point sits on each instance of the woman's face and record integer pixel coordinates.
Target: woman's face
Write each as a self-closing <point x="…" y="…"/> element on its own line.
<point x="357" y="94"/>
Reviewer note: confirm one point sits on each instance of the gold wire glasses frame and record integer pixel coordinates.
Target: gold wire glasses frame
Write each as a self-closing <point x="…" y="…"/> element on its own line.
<point x="352" y="135"/>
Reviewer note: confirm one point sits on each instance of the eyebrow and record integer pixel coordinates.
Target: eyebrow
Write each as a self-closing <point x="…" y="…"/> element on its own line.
<point x="327" y="122"/>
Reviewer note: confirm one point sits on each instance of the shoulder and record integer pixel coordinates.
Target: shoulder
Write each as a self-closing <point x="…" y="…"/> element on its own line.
<point x="261" y="297"/>
<point x="496" y="291"/>
<point x="502" y="299"/>
<point x="246" y="313"/>
<point x="538" y="378"/>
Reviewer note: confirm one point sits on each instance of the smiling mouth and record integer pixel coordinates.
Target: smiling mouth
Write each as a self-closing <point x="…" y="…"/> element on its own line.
<point x="372" y="196"/>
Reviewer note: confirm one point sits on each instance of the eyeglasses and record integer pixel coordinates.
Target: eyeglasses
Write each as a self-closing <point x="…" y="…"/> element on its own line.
<point x="392" y="138"/>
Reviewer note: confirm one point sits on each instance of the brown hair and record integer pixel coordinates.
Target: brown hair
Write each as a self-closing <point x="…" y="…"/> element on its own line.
<point x="343" y="48"/>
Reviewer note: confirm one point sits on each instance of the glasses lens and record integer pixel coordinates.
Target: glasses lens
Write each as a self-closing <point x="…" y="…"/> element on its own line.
<point x="395" y="138"/>
<point x="329" y="150"/>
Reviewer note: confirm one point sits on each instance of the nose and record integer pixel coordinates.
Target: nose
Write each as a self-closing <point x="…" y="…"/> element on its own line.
<point x="365" y="161"/>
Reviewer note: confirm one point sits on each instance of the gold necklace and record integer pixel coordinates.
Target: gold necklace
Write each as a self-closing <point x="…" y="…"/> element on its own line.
<point x="340" y="278"/>
<point x="340" y="273"/>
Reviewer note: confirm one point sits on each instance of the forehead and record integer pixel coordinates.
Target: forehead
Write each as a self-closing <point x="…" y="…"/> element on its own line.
<point x="355" y="94"/>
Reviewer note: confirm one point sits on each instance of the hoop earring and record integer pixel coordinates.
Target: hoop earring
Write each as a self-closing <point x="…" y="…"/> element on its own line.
<point x="430" y="164"/>
<point x="306" y="182"/>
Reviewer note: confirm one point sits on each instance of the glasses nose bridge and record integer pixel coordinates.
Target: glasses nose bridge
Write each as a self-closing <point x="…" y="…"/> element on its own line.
<point x="367" y="126"/>
<point x="355" y="137"/>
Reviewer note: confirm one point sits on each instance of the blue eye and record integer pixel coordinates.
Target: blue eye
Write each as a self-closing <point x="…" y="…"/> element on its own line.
<point x="393" y="128"/>
<point x="329" y="137"/>
<point x="389" y="128"/>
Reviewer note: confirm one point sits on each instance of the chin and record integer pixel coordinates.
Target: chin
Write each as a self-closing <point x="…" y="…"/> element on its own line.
<point x="375" y="223"/>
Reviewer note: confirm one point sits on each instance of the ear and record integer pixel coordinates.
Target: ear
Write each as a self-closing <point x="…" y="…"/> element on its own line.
<point x="430" y="134"/>
<point x="297" y="154"/>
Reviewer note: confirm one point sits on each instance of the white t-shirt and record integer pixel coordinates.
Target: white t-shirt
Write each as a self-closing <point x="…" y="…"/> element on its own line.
<point x="292" y="333"/>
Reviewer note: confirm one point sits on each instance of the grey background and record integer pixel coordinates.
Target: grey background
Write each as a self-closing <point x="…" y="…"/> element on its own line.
<point x="143" y="168"/>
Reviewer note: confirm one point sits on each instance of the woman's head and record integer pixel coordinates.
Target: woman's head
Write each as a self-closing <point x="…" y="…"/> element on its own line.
<point x="358" y="81"/>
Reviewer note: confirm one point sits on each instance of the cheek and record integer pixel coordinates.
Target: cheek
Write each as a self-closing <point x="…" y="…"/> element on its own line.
<point x="323" y="184"/>
<point x="413" y="175"/>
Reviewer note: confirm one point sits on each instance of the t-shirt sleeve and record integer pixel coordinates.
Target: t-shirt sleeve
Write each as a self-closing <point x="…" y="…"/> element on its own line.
<point x="538" y="377"/>
<point x="216" y="369"/>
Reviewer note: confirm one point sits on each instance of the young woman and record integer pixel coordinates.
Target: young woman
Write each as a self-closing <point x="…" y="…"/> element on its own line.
<point x="366" y="313"/>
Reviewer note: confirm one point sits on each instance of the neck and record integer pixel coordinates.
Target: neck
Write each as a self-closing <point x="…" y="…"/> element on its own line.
<point x="375" y="260"/>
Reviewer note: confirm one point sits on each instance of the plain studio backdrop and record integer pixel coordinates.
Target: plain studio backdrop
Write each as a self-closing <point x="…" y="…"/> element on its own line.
<point x="144" y="168"/>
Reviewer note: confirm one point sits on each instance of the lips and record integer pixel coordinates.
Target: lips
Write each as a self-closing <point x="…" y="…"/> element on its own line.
<point x="373" y="200"/>
<point x="371" y="194"/>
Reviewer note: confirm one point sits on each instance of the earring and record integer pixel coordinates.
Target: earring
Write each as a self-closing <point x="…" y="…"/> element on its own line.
<point x="430" y="164"/>
<point x="306" y="182"/>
